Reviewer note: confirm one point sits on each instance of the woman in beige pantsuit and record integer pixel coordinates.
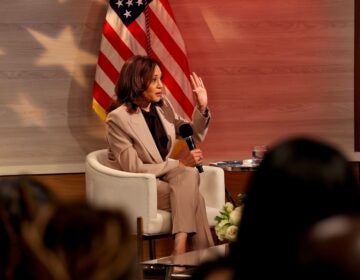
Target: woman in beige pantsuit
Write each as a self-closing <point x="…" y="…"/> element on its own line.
<point x="142" y="127"/>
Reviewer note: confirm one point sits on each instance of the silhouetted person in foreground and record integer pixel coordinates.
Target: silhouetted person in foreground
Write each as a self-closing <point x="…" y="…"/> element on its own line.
<point x="299" y="182"/>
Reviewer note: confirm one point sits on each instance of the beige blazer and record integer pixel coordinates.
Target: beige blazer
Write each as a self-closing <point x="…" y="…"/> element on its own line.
<point x="132" y="147"/>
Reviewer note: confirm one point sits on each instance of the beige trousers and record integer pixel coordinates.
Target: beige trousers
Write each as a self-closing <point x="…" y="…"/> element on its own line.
<point x="178" y="192"/>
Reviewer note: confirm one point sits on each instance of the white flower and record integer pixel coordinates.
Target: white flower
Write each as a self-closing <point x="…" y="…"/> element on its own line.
<point x="220" y="229"/>
<point x="222" y="224"/>
<point x="228" y="207"/>
<point x="235" y="216"/>
<point x="231" y="233"/>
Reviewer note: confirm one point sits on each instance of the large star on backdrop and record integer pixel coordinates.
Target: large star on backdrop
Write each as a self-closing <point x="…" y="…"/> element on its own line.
<point x="34" y="117"/>
<point x="63" y="51"/>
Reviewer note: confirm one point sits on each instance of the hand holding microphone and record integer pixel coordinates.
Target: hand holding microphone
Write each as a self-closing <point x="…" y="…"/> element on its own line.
<point x="193" y="158"/>
<point x="186" y="132"/>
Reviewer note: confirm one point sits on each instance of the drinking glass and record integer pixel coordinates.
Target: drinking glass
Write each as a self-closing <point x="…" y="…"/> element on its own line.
<point x="258" y="153"/>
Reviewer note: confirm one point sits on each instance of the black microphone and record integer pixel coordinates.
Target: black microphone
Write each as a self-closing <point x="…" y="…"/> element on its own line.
<point x="186" y="132"/>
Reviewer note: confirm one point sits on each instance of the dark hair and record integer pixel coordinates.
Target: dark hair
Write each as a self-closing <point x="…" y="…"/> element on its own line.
<point x="134" y="78"/>
<point x="78" y="241"/>
<point x="299" y="182"/>
<point x="20" y="201"/>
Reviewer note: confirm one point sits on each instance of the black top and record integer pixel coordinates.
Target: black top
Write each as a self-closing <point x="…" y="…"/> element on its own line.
<point x="157" y="130"/>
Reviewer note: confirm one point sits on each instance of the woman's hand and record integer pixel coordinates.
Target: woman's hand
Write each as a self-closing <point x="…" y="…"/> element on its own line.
<point x="200" y="93"/>
<point x="192" y="159"/>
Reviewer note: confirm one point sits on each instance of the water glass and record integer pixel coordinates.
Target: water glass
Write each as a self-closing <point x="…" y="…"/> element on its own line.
<point x="258" y="153"/>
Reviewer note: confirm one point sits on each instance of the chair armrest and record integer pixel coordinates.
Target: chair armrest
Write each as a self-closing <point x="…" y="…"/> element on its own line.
<point x="133" y="193"/>
<point x="212" y="186"/>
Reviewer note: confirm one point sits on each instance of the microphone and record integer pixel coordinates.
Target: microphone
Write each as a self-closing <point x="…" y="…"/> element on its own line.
<point x="186" y="132"/>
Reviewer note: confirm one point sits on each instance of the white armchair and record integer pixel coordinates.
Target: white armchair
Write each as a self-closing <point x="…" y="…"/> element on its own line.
<point x="135" y="194"/>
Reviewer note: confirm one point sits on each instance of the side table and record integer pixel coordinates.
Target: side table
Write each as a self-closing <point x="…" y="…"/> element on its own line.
<point x="237" y="175"/>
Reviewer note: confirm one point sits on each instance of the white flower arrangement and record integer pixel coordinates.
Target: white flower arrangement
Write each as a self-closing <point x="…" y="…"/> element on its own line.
<point x="227" y="222"/>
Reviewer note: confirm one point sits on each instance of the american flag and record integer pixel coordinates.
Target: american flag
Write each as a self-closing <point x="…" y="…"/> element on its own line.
<point x="142" y="27"/>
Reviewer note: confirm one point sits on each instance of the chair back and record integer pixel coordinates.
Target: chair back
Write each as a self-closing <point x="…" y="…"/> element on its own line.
<point x="133" y="193"/>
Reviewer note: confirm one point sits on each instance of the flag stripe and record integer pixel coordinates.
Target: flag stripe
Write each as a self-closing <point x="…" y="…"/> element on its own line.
<point x="169" y="42"/>
<point x="101" y="96"/>
<point x="99" y="110"/>
<point x="107" y="67"/>
<point x="175" y="104"/>
<point x="138" y="33"/>
<point x="166" y="6"/>
<point x="173" y="68"/>
<point x="168" y="23"/>
<point x="107" y="50"/>
<point x="122" y="49"/>
<point x="104" y="81"/>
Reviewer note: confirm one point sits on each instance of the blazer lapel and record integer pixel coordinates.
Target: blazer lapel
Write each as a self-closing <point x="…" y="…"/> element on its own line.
<point x="140" y="128"/>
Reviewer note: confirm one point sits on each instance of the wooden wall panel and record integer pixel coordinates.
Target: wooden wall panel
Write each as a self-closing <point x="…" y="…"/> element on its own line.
<point x="273" y="69"/>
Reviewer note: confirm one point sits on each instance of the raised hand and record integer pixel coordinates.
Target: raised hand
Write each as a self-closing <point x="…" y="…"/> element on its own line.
<point x="200" y="92"/>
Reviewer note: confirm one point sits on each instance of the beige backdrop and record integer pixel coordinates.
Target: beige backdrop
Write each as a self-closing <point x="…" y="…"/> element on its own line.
<point x="273" y="68"/>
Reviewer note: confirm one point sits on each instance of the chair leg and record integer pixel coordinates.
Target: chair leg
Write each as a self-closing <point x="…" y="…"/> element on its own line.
<point x="152" y="249"/>
<point x="139" y="244"/>
<point x="139" y="238"/>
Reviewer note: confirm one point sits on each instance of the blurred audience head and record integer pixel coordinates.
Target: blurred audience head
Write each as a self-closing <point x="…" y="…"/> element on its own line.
<point x="299" y="182"/>
<point x="77" y="241"/>
<point x="21" y="198"/>
<point x="331" y="249"/>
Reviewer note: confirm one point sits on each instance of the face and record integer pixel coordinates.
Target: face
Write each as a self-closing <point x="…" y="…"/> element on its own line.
<point x="154" y="92"/>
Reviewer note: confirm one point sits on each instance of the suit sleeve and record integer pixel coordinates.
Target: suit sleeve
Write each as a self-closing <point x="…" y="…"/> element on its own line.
<point x="199" y="123"/>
